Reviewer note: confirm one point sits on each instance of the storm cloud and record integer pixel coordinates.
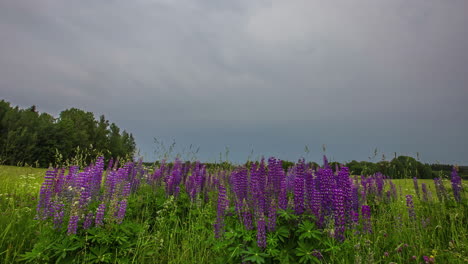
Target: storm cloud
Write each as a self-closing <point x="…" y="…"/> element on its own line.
<point x="268" y="76"/>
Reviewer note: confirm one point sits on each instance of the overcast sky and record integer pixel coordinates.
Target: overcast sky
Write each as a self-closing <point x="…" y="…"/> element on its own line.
<point x="268" y="76"/>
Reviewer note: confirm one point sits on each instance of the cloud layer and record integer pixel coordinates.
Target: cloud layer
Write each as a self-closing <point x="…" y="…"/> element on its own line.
<point x="269" y="75"/>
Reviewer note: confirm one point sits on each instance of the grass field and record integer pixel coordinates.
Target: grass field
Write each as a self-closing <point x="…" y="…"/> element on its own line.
<point x="176" y="229"/>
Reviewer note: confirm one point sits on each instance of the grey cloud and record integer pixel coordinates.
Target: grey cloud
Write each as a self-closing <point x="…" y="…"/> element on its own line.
<point x="218" y="73"/>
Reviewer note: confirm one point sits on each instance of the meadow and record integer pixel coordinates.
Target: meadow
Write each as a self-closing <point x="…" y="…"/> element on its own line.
<point x="184" y="213"/>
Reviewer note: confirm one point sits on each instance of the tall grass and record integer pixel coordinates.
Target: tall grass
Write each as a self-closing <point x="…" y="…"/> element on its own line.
<point x="19" y="187"/>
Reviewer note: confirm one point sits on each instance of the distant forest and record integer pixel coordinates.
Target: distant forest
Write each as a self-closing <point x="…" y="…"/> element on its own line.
<point x="28" y="137"/>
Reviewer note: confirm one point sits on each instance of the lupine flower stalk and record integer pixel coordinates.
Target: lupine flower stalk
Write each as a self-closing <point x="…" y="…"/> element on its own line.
<point x="440" y="189"/>
<point x="339" y="212"/>
<point x="299" y="189"/>
<point x="222" y="203"/>
<point x="456" y="185"/>
<point x="73" y="224"/>
<point x="261" y="232"/>
<point x="366" y="218"/>
<point x="425" y="196"/>
<point x="410" y="206"/>
<point x="100" y="215"/>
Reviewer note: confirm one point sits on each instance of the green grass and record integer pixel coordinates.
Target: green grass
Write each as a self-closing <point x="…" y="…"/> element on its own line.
<point x="19" y="188"/>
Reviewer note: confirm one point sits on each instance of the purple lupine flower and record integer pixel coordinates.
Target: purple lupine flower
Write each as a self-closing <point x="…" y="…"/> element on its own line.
<point x="96" y="175"/>
<point x="309" y="189"/>
<point x="272" y="216"/>
<point x="59" y="213"/>
<point x="174" y="179"/>
<point x="344" y="182"/>
<point x="393" y="190"/>
<point x="84" y="188"/>
<point x="416" y="186"/>
<point x="326" y="190"/>
<point x="425" y="193"/>
<point x="379" y="182"/>
<point x="100" y="215"/>
<point x="257" y="187"/>
<point x="316" y="253"/>
<point x="440" y="189"/>
<point x="290" y="177"/>
<point x="45" y="195"/>
<point x="247" y="217"/>
<point x="110" y="185"/>
<point x="222" y="203"/>
<point x="354" y="218"/>
<point x="339" y="212"/>
<point x="110" y="164"/>
<point x="456" y="185"/>
<point x="60" y="182"/>
<point x="240" y="186"/>
<point x="299" y="188"/>
<point x="127" y="188"/>
<point x="261" y="232"/>
<point x="283" y="195"/>
<point x="71" y="177"/>
<point x="122" y="208"/>
<point x="73" y="225"/>
<point x="410" y="205"/>
<point x="88" y="222"/>
<point x="316" y="203"/>
<point x="275" y="173"/>
<point x="366" y="218"/>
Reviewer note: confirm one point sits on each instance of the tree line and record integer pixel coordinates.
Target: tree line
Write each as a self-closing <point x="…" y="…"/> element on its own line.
<point x="30" y="137"/>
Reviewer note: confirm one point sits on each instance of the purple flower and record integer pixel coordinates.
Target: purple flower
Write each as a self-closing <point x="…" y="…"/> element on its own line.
<point x="366" y="217"/>
<point x="222" y="204"/>
<point x="88" y="222"/>
<point x="59" y="213"/>
<point x="339" y="206"/>
<point x="283" y="195"/>
<point x="440" y="189"/>
<point x="100" y="215"/>
<point x="425" y="192"/>
<point x="299" y="189"/>
<point x="316" y="203"/>
<point x="261" y="232"/>
<point x="122" y="208"/>
<point x="410" y="205"/>
<point x="316" y="253"/>
<point x="72" y="225"/>
<point x="326" y="186"/>
<point x="272" y="217"/>
<point x="456" y="185"/>
<point x="45" y="203"/>
<point x="240" y="186"/>
<point x="247" y="217"/>
<point x="428" y="260"/>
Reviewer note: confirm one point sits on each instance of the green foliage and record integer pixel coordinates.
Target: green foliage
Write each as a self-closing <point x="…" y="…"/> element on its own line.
<point x="294" y="240"/>
<point x="398" y="168"/>
<point x="30" y="137"/>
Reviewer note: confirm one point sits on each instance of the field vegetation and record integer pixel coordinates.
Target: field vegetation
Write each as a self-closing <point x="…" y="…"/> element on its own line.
<point x="183" y="212"/>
